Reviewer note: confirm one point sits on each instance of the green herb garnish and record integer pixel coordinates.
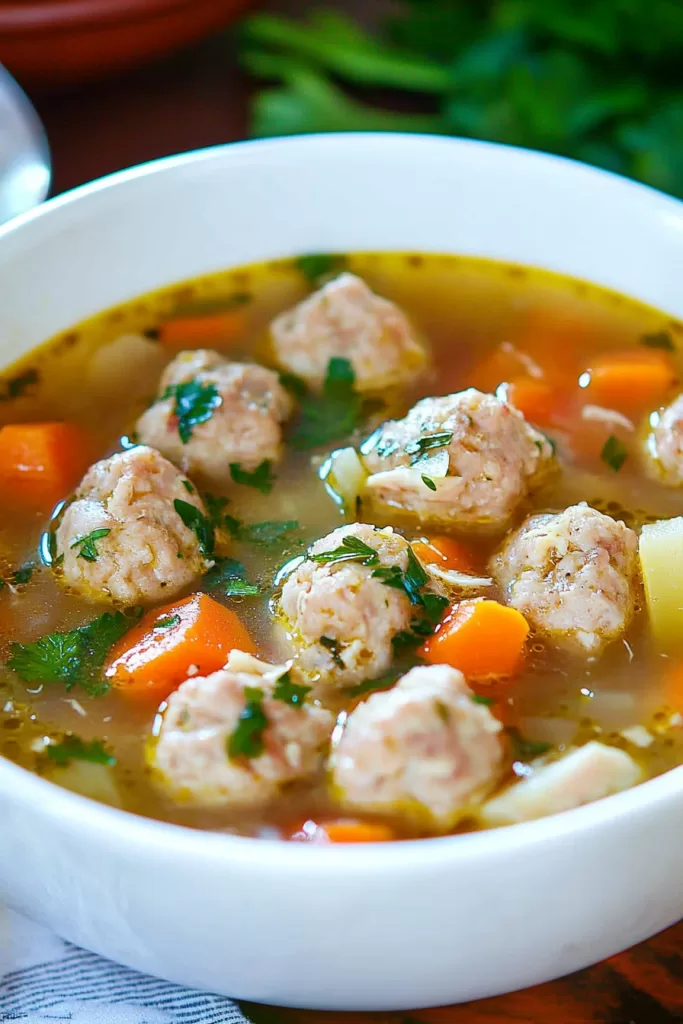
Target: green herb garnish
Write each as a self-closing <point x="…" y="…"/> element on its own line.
<point x="269" y="533"/>
<point x="194" y="403"/>
<point x="418" y="449"/>
<point x="23" y="574"/>
<point x="660" y="339"/>
<point x="524" y="749"/>
<point x="372" y="685"/>
<point x="202" y="526"/>
<point x="73" y="658"/>
<point x="351" y="549"/>
<point x="295" y="385"/>
<point x="188" y="487"/>
<point x="247" y="738"/>
<point x="332" y="415"/>
<point x="614" y="453"/>
<point x="261" y="478"/>
<point x="391" y="576"/>
<point x="230" y="576"/>
<point x="320" y="264"/>
<point x="289" y="692"/>
<point x="428" y="482"/>
<point x="86" y="544"/>
<point x="479" y="699"/>
<point x="73" y="748"/>
<point x="166" y="623"/>
<point x="333" y="647"/>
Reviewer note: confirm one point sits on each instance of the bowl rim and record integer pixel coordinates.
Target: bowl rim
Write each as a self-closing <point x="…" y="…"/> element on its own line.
<point x="161" y="838"/>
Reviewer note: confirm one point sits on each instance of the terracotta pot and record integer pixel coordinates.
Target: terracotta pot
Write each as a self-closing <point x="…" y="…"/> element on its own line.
<point x="47" y="41"/>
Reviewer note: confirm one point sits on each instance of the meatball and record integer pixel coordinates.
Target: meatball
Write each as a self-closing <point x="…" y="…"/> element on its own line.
<point x="340" y="614"/>
<point x="212" y="413"/>
<point x="663" y="449"/>
<point x="424" y="749"/>
<point x="346" y="319"/>
<point x="587" y="774"/>
<point x="490" y="459"/>
<point x="121" y="538"/>
<point x="200" y="756"/>
<point x="572" y="575"/>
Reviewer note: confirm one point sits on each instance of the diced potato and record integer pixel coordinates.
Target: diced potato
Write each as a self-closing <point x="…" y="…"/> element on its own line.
<point x="661" y="558"/>
<point x="93" y="780"/>
<point x="344" y="476"/>
<point x="131" y="362"/>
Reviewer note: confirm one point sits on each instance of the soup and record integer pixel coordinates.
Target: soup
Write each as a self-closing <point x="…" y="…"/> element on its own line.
<point x="293" y="602"/>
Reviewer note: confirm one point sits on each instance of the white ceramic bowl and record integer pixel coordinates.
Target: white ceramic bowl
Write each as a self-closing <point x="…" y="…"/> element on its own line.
<point x="368" y="927"/>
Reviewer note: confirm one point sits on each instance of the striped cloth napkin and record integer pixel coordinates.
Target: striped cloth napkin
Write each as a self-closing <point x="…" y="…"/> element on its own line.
<point x="44" y="979"/>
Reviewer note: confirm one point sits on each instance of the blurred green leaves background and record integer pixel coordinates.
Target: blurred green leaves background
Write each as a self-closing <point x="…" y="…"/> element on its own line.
<point x="598" y="80"/>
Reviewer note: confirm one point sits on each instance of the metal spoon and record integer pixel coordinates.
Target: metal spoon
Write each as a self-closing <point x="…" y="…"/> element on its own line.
<point x="24" y="152"/>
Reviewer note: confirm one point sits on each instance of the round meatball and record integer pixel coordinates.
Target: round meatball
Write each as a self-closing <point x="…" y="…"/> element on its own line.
<point x="479" y="455"/>
<point x="205" y="755"/>
<point x="572" y="575"/>
<point x="121" y="538"/>
<point x="663" y="449"/>
<point x="346" y="319"/>
<point x="424" y="749"/>
<point x="342" y="616"/>
<point x="233" y="414"/>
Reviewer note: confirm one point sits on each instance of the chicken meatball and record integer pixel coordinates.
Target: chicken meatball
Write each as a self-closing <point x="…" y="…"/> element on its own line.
<point x="572" y="575"/>
<point x="121" y="539"/>
<point x="346" y="319"/>
<point x="663" y="449"/>
<point x="424" y="749"/>
<point x="212" y="414"/>
<point x="239" y="734"/>
<point x="587" y="774"/>
<point x="461" y="462"/>
<point x="340" y="608"/>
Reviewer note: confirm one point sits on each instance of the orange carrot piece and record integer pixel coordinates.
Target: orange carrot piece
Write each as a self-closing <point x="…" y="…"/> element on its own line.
<point x="630" y="382"/>
<point x="503" y="364"/>
<point x="41" y="462"/>
<point x="357" y="832"/>
<point x="554" y="336"/>
<point x="203" y="331"/>
<point x="537" y="401"/>
<point x="190" y="637"/>
<point x="482" y="638"/>
<point x="445" y="552"/>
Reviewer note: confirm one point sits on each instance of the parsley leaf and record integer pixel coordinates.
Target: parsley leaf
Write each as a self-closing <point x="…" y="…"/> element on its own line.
<point x="614" y="453"/>
<point x="195" y="403"/>
<point x="479" y="699"/>
<point x="73" y="748"/>
<point x="351" y="549"/>
<point x="88" y="550"/>
<point x="417" y="449"/>
<point x="247" y="738"/>
<point x="23" y="574"/>
<point x="660" y="339"/>
<point x="319" y="264"/>
<point x="72" y="658"/>
<point x="428" y="482"/>
<point x="188" y="486"/>
<point x="201" y="525"/>
<point x="269" y="533"/>
<point x="230" y="576"/>
<point x="289" y="692"/>
<point x="166" y="623"/>
<point x="261" y="478"/>
<point x="415" y="578"/>
<point x="523" y="749"/>
<point x="295" y="385"/>
<point x="391" y="576"/>
<point x="333" y="647"/>
<point x="332" y="415"/>
<point x="371" y="685"/>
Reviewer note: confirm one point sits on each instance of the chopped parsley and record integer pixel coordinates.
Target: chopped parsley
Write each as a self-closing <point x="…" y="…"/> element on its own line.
<point x="230" y="576"/>
<point x="23" y="574"/>
<point x="73" y="748"/>
<point x="372" y="685"/>
<point x="166" y="623"/>
<point x="659" y="339"/>
<point x="351" y="549"/>
<point x="261" y="478"/>
<point x="431" y="606"/>
<point x="614" y="453"/>
<point x="523" y="749"/>
<point x="319" y="264"/>
<point x="479" y="699"/>
<point x="87" y="543"/>
<point x="391" y="576"/>
<point x="333" y="647"/>
<point x="72" y="658"/>
<point x="215" y="507"/>
<point x="269" y="533"/>
<point x="247" y="738"/>
<point x="294" y="384"/>
<point x="188" y="486"/>
<point x="428" y="482"/>
<point x="332" y="415"/>
<point x="289" y="692"/>
<point x="202" y="526"/>
<point x="194" y="403"/>
<point x="418" y="449"/>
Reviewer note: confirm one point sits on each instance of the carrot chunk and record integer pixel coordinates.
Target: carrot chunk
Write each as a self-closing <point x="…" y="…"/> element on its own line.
<point x="190" y="637"/>
<point x="482" y="638"/>
<point x="346" y="830"/>
<point x="445" y="552"/>
<point x="204" y="331"/>
<point x="630" y="382"/>
<point x="537" y="401"/>
<point x="41" y="462"/>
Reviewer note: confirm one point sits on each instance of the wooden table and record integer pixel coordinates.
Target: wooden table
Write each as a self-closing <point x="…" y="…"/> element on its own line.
<point x="199" y="99"/>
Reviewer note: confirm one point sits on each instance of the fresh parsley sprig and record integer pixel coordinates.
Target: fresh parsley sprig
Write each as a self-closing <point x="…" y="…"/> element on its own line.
<point x="73" y="748"/>
<point x="87" y="544"/>
<point x="261" y="478"/>
<point x="193" y="403"/>
<point x="333" y="414"/>
<point x="351" y="549"/>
